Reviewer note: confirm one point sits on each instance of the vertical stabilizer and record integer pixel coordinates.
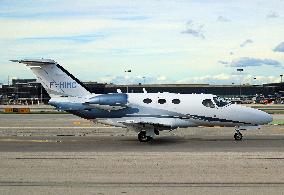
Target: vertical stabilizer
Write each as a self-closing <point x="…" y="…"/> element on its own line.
<point x="55" y="79"/>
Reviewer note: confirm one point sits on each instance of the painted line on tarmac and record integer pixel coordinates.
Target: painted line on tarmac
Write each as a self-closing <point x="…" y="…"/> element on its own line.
<point x="31" y="140"/>
<point x="59" y="127"/>
<point x="143" y="184"/>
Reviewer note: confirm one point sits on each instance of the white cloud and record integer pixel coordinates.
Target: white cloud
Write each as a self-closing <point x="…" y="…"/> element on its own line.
<point x="229" y="79"/>
<point x="223" y="62"/>
<point x="194" y="29"/>
<point x="223" y="19"/>
<point x="272" y="15"/>
<point x="94" y="38"/>
<point x="279" y="47"/>
<point x="205" y="79"/>
<point x="128" y="79"/>
<point x="162" y="78"/>
<point x="21" y="28"/>
<point x="246" y="42"/>
<point x="26" y="28"/>
<point x="248" y="61"/>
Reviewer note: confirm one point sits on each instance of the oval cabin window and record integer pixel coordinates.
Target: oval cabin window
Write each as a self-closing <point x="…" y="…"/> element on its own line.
<point x="147" y="101"/>
<point x="175" y="101"/>
<point x="162" y="101"/>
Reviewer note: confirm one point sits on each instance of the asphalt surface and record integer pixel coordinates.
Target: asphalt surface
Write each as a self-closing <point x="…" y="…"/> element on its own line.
<point x="63" y="154"/>
<point x="68" y="133"/>
<point x="131" y="144"/>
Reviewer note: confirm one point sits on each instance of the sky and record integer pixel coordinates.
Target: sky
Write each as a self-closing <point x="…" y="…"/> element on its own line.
<point x="174" y="41"/>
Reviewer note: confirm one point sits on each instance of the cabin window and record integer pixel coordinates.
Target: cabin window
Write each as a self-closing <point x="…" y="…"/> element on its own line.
<point x="175" y="101"/>
<point x="147" y="101"/>
<point x="162" y="101"/>
<point x="220" y="102"/>
<point x="208" y="103"/>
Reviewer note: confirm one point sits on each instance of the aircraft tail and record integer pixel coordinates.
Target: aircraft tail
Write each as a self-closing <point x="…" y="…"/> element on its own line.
<point x="55" y="79"/>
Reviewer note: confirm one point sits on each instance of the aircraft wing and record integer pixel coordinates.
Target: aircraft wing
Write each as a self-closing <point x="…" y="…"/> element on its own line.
<point x="149" y="123"/>
<point x="134" y="125"/>
<point x="137" y="127"/>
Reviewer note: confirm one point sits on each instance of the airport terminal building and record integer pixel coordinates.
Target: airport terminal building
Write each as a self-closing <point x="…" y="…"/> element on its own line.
<point x="31" y="91"/>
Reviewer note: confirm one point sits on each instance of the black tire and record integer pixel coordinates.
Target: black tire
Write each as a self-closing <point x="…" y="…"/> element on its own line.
<point x="238" y="136"/>
<point x="149" y="138"/>
<point x="142" y="137"/>
<point x="156" y="131"/>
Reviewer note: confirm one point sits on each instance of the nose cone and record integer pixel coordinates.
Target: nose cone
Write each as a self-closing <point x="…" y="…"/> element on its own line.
<point x="250" y="115"/>
<point x="261" y="118"/>
<point x="266" y="118"/>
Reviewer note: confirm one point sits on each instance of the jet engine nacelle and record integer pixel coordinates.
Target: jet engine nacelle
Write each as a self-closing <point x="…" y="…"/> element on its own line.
<point x="108" y="102"/>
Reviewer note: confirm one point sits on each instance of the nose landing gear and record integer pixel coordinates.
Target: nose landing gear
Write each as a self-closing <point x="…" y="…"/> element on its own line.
<point x="238" y="136"/>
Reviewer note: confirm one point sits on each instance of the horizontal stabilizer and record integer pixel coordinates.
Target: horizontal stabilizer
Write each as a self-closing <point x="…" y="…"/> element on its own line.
<point x="31" y="62"/>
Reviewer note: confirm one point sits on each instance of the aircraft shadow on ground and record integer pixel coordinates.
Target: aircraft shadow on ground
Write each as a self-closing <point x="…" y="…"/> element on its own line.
<point x="173" y="140"/>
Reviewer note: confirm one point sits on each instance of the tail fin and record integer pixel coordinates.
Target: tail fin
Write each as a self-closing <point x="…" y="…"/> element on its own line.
<point x="55" y="79"/>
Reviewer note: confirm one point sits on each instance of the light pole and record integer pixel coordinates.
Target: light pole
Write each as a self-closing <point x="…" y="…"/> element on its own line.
<point x="127" y="71"/>
<point x="240" y="70"/>
<point x="281" y="75"/>
<point x="41" y="93"/>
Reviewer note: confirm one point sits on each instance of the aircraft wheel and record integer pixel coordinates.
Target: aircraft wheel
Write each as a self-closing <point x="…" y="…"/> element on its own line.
<point x="142" y="137"/>
<point x="238" y="136"/>
<point x="156" y="131"/>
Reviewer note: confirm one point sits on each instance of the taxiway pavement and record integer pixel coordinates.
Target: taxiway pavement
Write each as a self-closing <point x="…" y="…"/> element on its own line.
<point x="63" y="154"/>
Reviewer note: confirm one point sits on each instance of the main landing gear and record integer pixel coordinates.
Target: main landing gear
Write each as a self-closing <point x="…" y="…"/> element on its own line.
<point x="146" y="136"/>
<point x="238" y="136"/>
<point x="142" y="137"/>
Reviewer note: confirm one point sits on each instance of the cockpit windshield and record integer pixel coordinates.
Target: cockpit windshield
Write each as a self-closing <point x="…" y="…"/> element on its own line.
<point x="220" y="102"/>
